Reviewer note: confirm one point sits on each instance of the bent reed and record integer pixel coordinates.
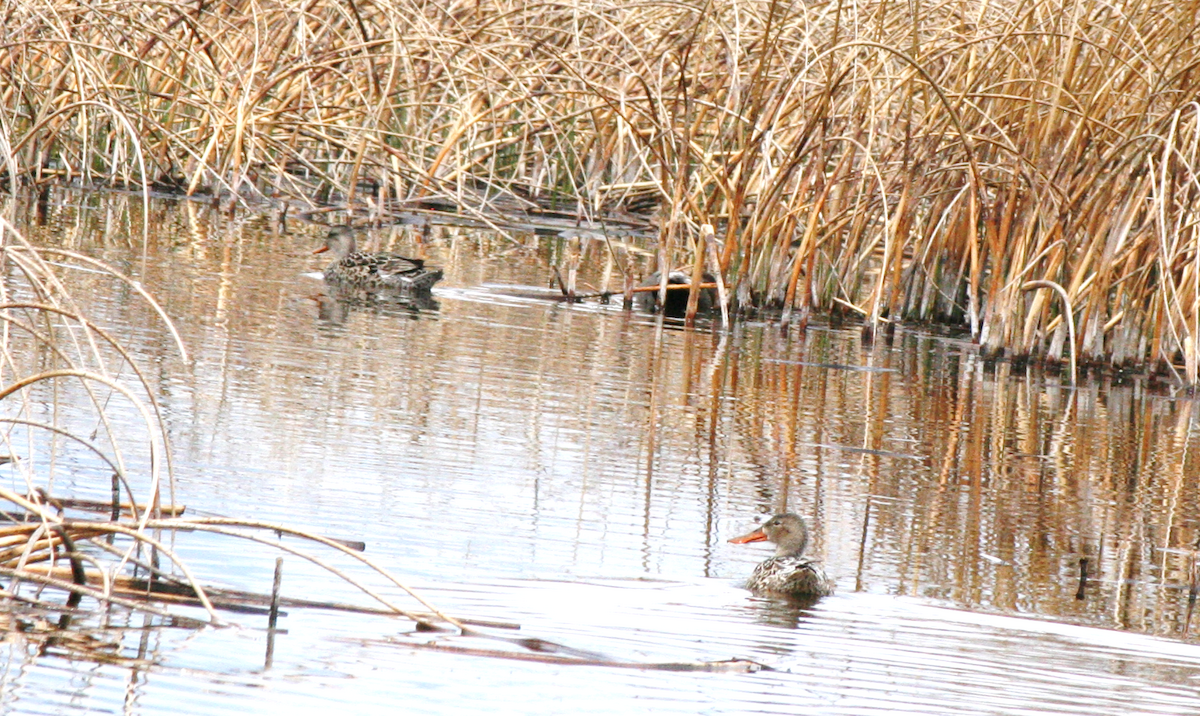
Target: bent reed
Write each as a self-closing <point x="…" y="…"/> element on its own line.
<point x="1026" y="170"/>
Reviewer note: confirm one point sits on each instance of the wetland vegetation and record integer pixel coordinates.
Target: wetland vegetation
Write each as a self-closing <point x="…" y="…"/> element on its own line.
<point x="1027" y="171"/>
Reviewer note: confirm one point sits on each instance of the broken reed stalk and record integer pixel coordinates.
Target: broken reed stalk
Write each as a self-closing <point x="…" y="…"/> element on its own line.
<point x="101" y="596"/>
<point x="35" y="548"/>
<point x="276" y="584"/>
<point x="273" y="616"/>
<point x="218" y="525"/>
<point x="240" y="601"/>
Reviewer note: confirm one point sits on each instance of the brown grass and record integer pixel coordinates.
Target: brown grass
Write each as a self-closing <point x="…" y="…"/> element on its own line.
<point x="917" y="162"/>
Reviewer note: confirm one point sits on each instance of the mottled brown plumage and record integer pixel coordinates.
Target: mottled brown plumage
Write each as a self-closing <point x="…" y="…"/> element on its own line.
<point x="373" y="271"/>
<point x="788" y="573"/>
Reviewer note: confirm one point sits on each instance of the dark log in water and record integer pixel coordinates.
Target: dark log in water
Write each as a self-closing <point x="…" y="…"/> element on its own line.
<point x="676" y="303"/>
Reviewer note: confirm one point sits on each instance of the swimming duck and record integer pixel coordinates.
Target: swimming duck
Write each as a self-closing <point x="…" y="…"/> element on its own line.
<point x="788" y="573"/>
<point x="373" y="271"/>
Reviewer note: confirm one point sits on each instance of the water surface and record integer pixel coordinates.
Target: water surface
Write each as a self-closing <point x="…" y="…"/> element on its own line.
<point x="578" y="470"/>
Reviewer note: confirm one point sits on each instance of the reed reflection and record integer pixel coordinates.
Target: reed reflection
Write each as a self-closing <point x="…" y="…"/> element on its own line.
<point x="589" y="440"/>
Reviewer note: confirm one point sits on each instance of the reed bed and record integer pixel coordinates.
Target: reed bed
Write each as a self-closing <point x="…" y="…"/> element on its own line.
<point x="1026" y="171"/>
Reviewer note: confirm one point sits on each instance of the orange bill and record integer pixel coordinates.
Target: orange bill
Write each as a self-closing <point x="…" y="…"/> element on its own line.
<point x="321" y="250"/>
<point x="756" y="536"/>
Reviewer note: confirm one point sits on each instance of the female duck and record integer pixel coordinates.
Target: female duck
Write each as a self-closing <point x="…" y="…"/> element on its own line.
<point x="373" y="271"/>
<point x="788" y="573"/>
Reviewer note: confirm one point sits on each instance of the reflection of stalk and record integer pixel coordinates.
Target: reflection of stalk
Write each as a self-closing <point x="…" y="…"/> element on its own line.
<point x="862" y="547"/>
<point x="1192" y="591"/>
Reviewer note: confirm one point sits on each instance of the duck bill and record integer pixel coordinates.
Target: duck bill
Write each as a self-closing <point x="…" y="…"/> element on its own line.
<point x="321" y="250"/>
<point x="756" y="536"/>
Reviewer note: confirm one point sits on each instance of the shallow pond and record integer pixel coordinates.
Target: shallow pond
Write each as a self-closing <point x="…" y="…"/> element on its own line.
<point x="578" y="469"/>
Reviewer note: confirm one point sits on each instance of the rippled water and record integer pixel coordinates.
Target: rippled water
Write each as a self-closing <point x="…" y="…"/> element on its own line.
<point x="578" y="470"/>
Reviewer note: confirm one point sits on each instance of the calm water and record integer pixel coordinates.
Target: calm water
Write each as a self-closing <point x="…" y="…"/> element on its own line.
<point x="578" y="470"/>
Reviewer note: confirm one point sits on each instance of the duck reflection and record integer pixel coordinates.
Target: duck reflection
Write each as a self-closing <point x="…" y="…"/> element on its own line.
<point x="787" y="612"/>
<point x="336" y="305"/>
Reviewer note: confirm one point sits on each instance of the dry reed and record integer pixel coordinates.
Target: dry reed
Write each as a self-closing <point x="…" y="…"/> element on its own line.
<point x="917" y="162"/>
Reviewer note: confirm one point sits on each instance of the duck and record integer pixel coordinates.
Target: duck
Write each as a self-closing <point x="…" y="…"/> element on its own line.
<point x="788" y="573"/>
<point x="373" y="271"/>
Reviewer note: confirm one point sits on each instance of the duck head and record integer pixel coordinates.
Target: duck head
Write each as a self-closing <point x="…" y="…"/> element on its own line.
<point x="340" y="241"/>
<point x="787" y="531"/>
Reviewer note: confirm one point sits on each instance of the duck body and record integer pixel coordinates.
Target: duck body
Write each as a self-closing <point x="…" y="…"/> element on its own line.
<point x="790" y="576"/>
<point x="789" y="573"/>
<point x="378" y="271"/>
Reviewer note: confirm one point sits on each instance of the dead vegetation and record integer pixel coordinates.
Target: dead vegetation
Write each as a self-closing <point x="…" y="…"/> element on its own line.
<point x="1026" y="171"/>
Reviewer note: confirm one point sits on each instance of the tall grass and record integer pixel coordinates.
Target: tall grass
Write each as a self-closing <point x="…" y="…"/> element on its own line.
<point x="1003" y="166"/>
